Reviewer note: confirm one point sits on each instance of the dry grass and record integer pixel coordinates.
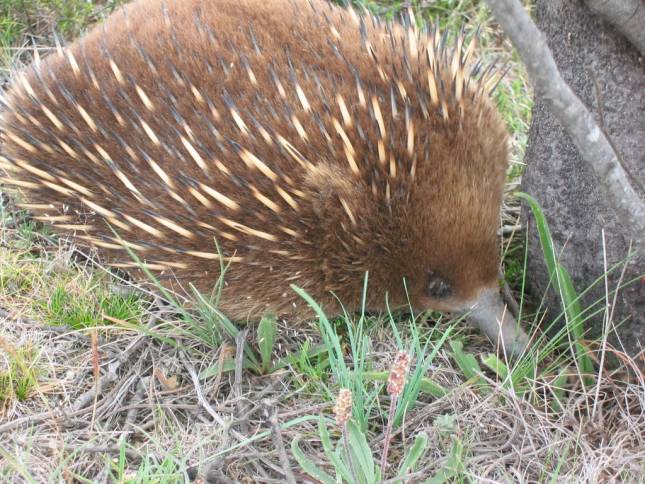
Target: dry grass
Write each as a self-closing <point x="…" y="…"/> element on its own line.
<point x="103" y="383"/>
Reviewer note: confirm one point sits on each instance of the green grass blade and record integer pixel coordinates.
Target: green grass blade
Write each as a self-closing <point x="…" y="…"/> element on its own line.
<point x="561" y="281"/>
<point x="544" y="233"/>
<point x="576" y="323"/>
<point x="424" y="360"/>
<point x="330" y="338"/>
<point x="226" y="325"/>
<point x="308" y="352"/>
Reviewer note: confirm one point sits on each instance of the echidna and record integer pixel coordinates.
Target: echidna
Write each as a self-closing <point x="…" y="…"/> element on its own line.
<point x="312" y="144"/>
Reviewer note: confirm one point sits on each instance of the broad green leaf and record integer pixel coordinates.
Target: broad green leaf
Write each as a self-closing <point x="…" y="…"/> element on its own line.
<point x="361" y="453"/>
<point x="466" y="362"/>
<point x="414" y="454"/>
<point x="335" y="458"/>
<point x="266" y="338"/>
<point x="497" y="365"/>
<point x="563" y="284"/>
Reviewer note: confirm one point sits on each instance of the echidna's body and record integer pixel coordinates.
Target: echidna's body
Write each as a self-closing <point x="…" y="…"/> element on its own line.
<point x="312" y="144"/>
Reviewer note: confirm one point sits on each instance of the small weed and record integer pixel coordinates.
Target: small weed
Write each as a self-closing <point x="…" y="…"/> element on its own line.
<point x="454" y="470"/>
<point x="356" y="378"/>
<point x="149" y="470"/>
<point x="16" y="277"/>
<point x="359" y="346"/>
<point x="313" y="367"/>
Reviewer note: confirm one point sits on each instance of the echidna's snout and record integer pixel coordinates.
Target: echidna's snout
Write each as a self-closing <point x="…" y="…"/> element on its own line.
<point x="493" y="317"/>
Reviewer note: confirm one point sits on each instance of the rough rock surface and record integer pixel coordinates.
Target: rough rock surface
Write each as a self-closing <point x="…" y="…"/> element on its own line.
<point x="608" y="75"/>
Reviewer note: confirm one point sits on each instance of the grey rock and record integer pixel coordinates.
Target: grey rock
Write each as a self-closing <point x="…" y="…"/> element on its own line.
<point x="608" y="75"/>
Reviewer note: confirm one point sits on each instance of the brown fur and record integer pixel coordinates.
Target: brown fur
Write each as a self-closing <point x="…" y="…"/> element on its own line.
<point x="186" y="73"/>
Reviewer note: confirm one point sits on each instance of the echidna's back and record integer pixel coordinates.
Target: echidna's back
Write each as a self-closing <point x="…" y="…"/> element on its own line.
<point x="168" y="120"/>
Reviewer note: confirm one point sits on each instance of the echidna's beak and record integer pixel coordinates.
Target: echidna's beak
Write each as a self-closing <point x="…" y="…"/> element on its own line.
<point x="494" y="319"/>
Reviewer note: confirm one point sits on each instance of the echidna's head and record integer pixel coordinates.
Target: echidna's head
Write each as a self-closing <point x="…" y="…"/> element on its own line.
<point x="429" y="240"/>
<point x="452" y="253"/>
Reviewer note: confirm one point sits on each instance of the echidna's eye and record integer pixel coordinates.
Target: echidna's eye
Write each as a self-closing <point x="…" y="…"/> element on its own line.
<point x="437" y="286"/>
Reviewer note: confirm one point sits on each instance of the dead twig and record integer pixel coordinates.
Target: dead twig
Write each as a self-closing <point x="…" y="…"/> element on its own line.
<point x="137" y="398"/>
<point x="85" y="398"/>
<point x="508" y="297"/>
<point x="131" y="454"/>
<point x="226" y="425"/>
<point x="200" y="393"/>
<point x="54" y="416"/>
<point x="271" y="413"/>
<point x="240" y="340"/>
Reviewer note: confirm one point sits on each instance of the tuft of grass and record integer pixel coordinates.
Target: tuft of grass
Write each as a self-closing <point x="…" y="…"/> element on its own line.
<point x="81" y="308"/>
<point x="16" y="273"/>
<point x="29" y="24"/>
<point x="19" y="371"/>
<point x="148" y="470"/>
<point x="69" y="18"/>
<point x="359" y="376"/>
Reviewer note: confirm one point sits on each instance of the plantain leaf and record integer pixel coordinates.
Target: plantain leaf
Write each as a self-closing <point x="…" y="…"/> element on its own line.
<point x="497" y="365"/>
<point x="266" y="338"/>
<point x="333" y="456"/>
<point x="414" y="454"/>
<point x="307" y="465"/>
<point x="465" y="361"/>
<point x="361" y="454"/>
